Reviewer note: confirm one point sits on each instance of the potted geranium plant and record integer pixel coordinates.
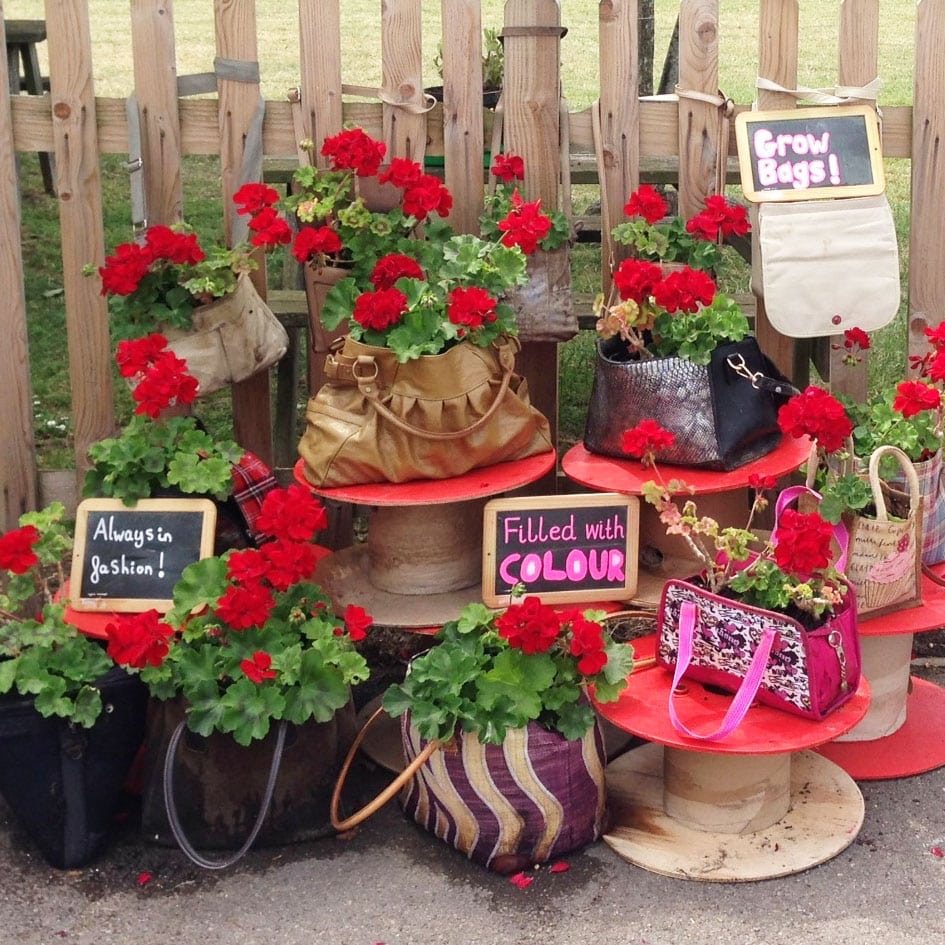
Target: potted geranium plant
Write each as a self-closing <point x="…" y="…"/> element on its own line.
<point x="203" y="300"/>
<point x="250" y="650"/>
<point x="507" y="691"/>
<point x="776" y="611"/>
<point x="71" y="721"/>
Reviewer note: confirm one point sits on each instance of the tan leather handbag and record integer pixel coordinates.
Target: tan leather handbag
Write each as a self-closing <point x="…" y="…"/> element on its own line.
<point x="438" y="416"/>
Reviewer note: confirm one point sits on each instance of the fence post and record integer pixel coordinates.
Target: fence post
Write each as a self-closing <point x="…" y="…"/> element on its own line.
<point x="18" y="456"/>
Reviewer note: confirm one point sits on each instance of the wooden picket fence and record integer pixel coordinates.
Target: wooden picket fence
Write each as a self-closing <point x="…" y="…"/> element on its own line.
<point x="617" y="136"/>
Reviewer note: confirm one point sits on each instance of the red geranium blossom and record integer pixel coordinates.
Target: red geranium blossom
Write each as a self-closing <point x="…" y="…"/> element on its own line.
<point x="165" y="383"/>
<point x="401" y="172"/>
<point x="123" y="272"/>
<point x="313" y="241"/>
<point x="139" y="640"/>
<point x="912" y="397"/>
<point x="761" y="483"/>
<point x="648" y="203"/>
<point x="803" y="543"/>
<point x="380" y="310"/>
<point x="508" y="167"/>
<point x="257" y="669"/>
<point x="531" y="626"/>
<point x="635" y="279"/>
<point x="246" y="565"/>
<point x="817" y="414"/>
<point x="392" y="267"/>
<point x="856" y="338"/>
<point x="136" y="355"/>
<point x="936" y="336"/>
<point x="719" y="219"/>
<point x="253" y="197"/>
<point x="288" y="562"/>
<point x="427" y="195"/>
<point x="245" y="605"/>
<point x="471" y="307"/>
<point x="16" y="549"/>
<point x="269" y="229"/>
<point x="525" y="226"/>
<point x="182" y="249"/>
<point x="684" y="290"/>
<point x="647" y="439"/>
<point x="357" y="621"/>
<point x="353" y="150"/>
<point x="292" y="513"/>
<point x="587" y="642"/>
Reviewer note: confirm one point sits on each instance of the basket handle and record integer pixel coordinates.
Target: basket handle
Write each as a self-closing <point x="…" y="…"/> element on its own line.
<point x="387" y="794"/>
<point x="908" y="470"/>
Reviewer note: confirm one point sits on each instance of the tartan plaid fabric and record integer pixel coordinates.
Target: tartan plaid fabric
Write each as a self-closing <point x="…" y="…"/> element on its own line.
<point x="252" y="479"/>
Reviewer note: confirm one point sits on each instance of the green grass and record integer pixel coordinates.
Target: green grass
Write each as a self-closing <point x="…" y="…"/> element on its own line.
<point x="278" y="44"/>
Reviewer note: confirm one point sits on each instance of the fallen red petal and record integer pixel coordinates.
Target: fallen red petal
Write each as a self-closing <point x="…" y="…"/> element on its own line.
<point x="937" y="851"/>
<point x="521" y="880"/>
<point x="144" y="879"/>
<point x="559" y="867"/>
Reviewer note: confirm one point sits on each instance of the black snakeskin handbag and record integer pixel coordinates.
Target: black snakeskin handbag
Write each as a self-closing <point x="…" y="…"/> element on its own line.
<point x="724" y="414"/>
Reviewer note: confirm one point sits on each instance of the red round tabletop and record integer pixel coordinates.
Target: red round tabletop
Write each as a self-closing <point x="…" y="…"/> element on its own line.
<point x="486" y="480"/>
<point x="642" y="711"/>
<point x="627" y="475"/>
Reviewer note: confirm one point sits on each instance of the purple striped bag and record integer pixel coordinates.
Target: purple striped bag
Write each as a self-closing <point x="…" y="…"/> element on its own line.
<point x="529" y="800"/>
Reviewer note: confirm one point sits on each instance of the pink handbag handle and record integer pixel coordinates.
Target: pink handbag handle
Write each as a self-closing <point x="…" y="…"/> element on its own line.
<point x="688" y="612"/>
<point x="787" y="496"/>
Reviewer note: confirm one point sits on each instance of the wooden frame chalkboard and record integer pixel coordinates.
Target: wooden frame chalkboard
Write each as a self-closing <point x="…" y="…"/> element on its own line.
<point x="127" y="558"/>
<point x="810" y="153"/>
<point x="562" y="548"/>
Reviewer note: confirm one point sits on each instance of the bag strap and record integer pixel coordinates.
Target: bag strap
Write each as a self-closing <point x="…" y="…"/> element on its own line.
<point x="173" y="818"/>
<point x="876" y="484"/>
<point x="367" y="384"/>
<point x="688" y="613"/>
<point x="389" y="792"/>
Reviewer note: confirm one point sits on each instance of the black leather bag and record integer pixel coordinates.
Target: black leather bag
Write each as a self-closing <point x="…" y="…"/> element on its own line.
<point x="724" y="414"/>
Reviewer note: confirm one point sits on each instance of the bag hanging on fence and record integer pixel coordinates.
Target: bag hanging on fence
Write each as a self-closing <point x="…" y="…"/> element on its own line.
<point x="824" y="266"/>
<point x="721" y="418"/>
<point x="233" y="338"/>
<point x="757" y="654"/>
<point x="884" y="557"/>
<point x="438" y="416"/>
<point x="529" y="800"/>
<point x="544" y="308"/>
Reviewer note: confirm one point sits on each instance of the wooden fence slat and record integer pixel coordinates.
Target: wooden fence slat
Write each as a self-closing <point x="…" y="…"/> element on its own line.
<point x="320" y="51"/>
<point x="236" y="39"/>
<point x="859" y="64"/>
<point x="927" y="231"/>
<point x="80" y="216"/>
<point x="699" y="121"/>
<point x="18" y="457"/>
<point x="402" y="82"/>
<point x="463" y="137"/>
<point x="155" y="72"/>
<point x="619" y="157"/>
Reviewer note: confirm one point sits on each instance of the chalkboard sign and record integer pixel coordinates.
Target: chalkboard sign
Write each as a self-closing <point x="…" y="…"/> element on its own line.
<point x="129" y="557"/>
<point x="561" y="548"/>
<point x="809" y="153"/>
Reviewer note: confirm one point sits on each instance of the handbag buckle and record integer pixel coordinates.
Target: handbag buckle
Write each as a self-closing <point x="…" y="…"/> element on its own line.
<point x="737" y="363"/>
<point x="835" y="641"/>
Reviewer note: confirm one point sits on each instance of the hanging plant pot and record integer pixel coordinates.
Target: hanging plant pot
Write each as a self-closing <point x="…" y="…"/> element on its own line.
<point x="544" y="308"/>
<point x="62" y="782"/>
<point x="232" y="339"/>
<point x="219" y="786"/>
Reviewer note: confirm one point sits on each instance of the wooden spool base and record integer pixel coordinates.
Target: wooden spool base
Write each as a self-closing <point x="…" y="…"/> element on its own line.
<point x="825" y="814"/>
<point x="914" y="748"/>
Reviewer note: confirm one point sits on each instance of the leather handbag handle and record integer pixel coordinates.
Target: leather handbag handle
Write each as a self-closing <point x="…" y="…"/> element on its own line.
<point x="367" y="384"/>
<point x="392" y="789"/>
<point x="688" y="613"/>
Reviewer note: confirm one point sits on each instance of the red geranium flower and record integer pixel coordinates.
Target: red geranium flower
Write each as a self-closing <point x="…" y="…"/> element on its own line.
<point x="288" y="562"/>
<point x="357" y="621"/>
<point x="719" y="219"/>
<point x="803" y="543"/>
<point x="525" y="226"/>
<point x="392" y="267"/>
<point x="508" y="167"/>
<point x="16" y="549"/>
<point x="257" y="669"/>
<point x="269" y="229"/>
<point x="312" y="241"/>
<point x="427" y="195"/>
<point x="684" y="290"/>
<point x="136" y="355"/>
<point x="182" y="249"/>
<point x="245" y="605"/>
<point x="648" y="203"/>
<point x="123" y="272"/>
<point x="292" y="513"/>
<point x="530" y="626"/>
<point x="856" y="338"/>
<point x="245" y="565"/>
<point x="936" y="335"/>
<point x="401" y="172"/>
<point x="912" y="397"/>
<point x="253" y="197"/>
<point x="647" y="439"/>
<point x="379" y="310"/>
<point x="165" y="383"/>
<point x="139" y="640"/>
<point x="471" y="307"/>
<point x="353" y="150"/>
<point x="587" y="642"/>
<point x="817" y="414"/>
<point x="635" y="279"/>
